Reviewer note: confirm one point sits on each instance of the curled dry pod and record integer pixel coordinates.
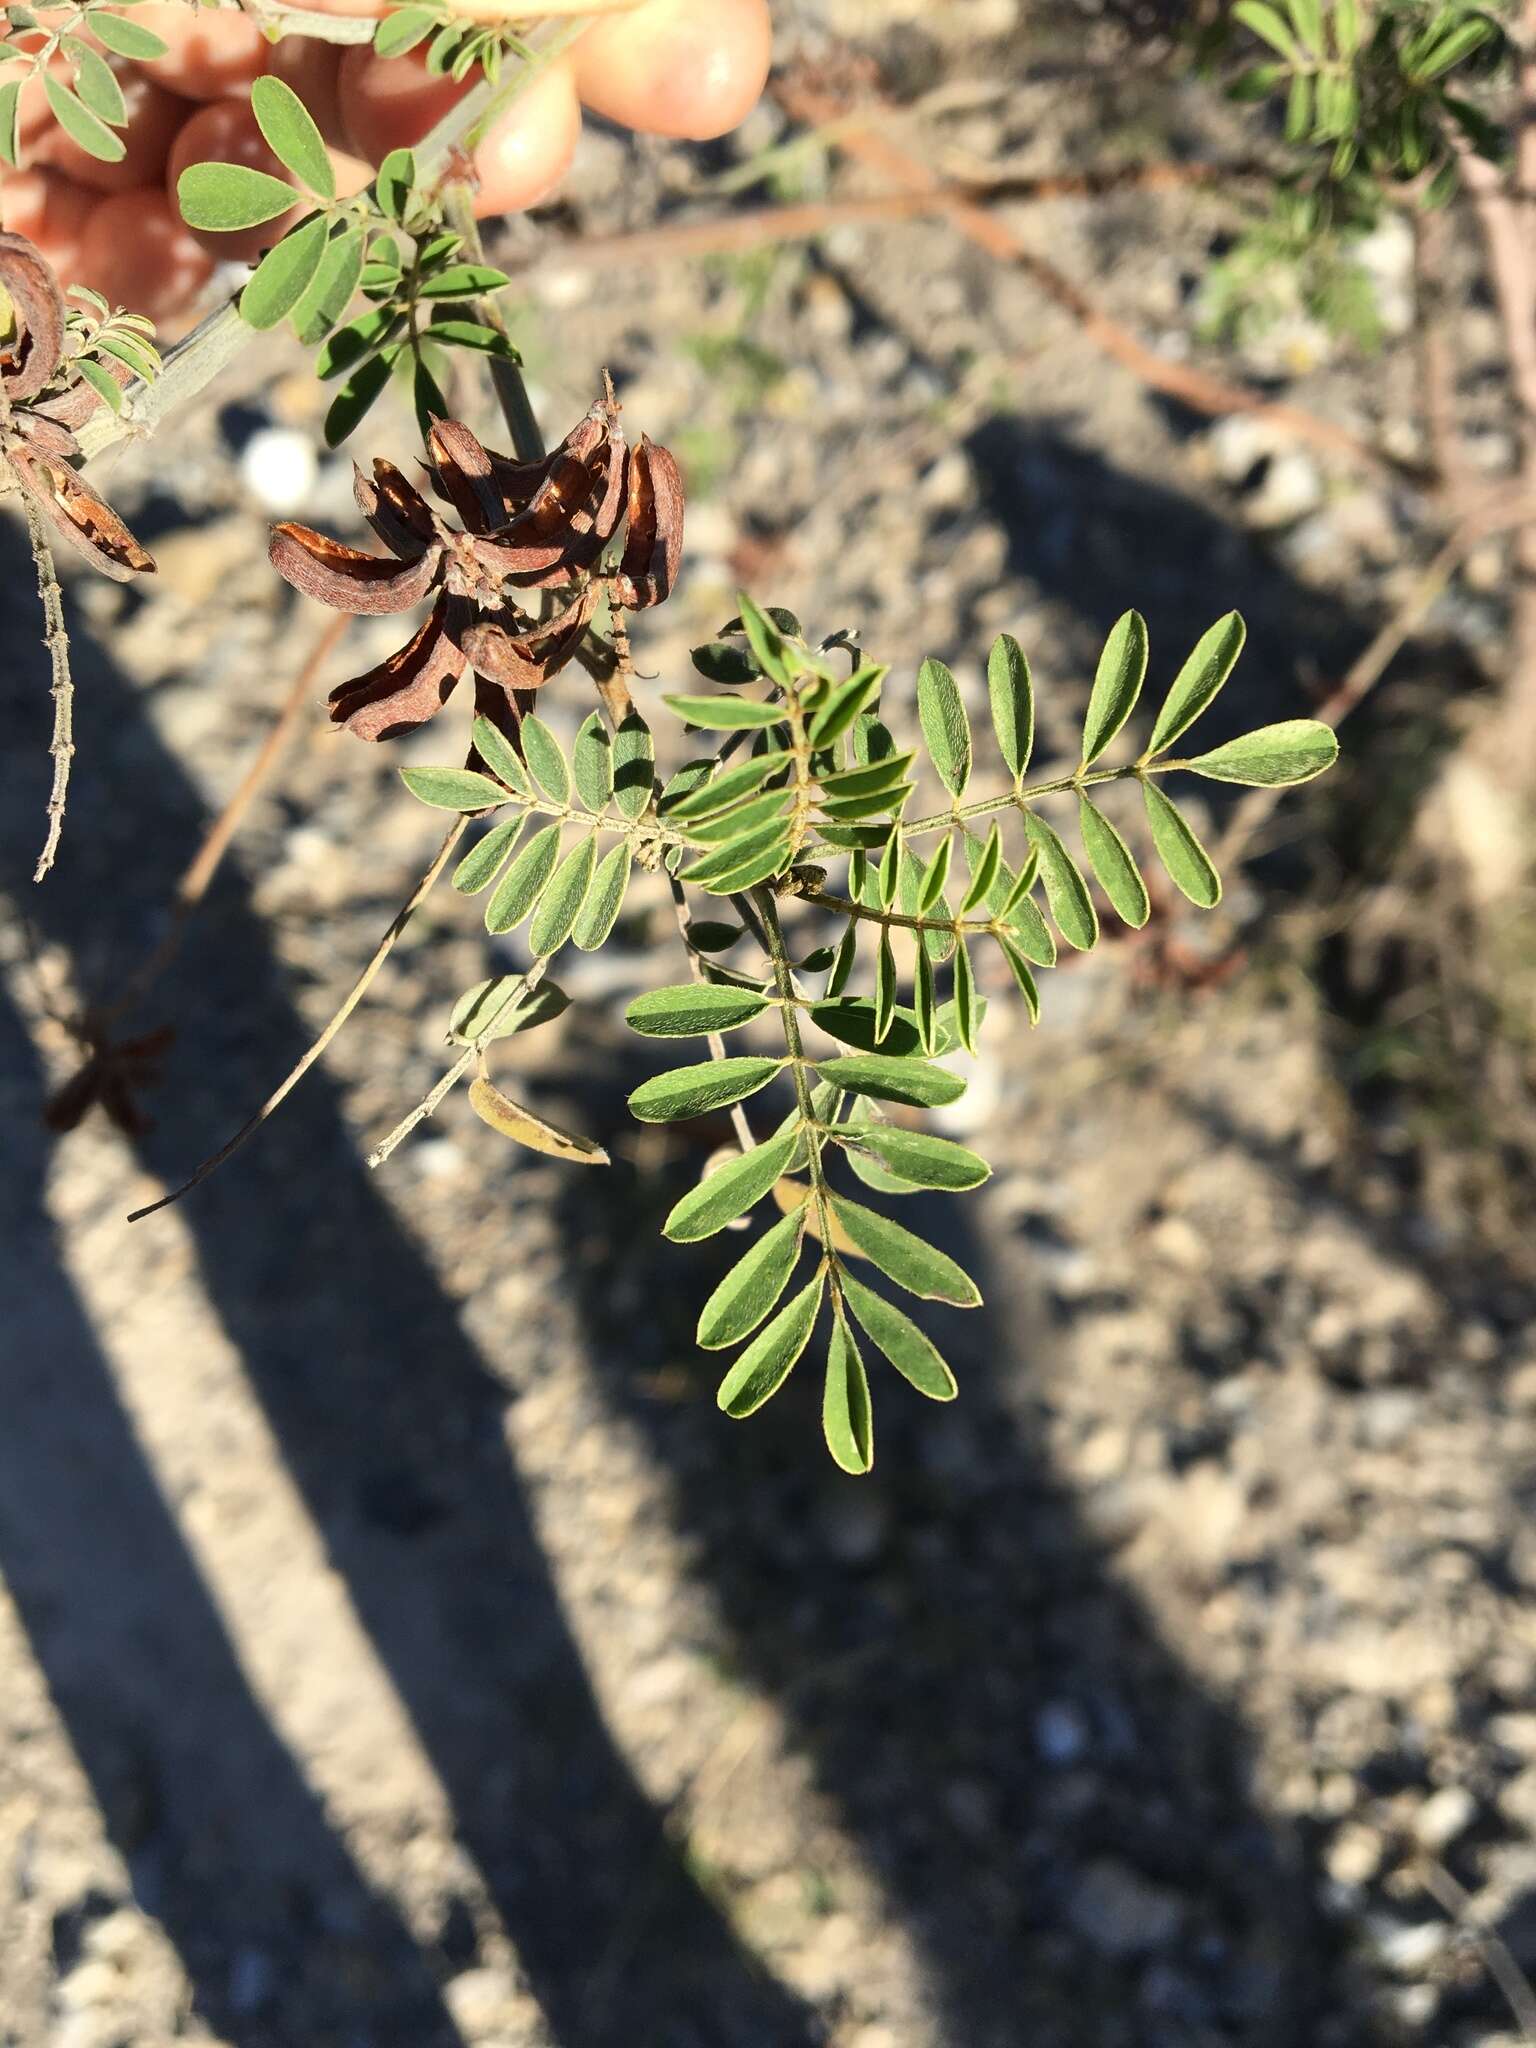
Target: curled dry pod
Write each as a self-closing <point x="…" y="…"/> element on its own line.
<point x="526" y="661"/>
<point x="524" y="1128"/>
<point x="409" y="687"/>
<point x="463" y="473"/>
<point x="396" y="511"/>
<point x="34" y="353"/>
<point x="80" y="517"/>
<point x="347" y="579"/>
<point x="653" y="546"/>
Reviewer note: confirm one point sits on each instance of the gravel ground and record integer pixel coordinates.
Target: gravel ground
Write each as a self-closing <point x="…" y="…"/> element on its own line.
<point x="397" y="1648"/>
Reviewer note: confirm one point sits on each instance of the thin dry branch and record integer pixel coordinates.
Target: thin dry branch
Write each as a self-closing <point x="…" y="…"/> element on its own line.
<point x="1498" y="514"/>
<point x="354" y="996"/>
<point x="1190" y="386"/>
<point x="731" y="233"/>
<point x="62" y="687"/>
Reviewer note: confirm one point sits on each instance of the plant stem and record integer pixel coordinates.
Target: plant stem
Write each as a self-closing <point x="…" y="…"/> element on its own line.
<point x="784" y="981"/>
<point x="354" y="996"/>
<point x="213" y="345"/>
<point x="56" y="640"/>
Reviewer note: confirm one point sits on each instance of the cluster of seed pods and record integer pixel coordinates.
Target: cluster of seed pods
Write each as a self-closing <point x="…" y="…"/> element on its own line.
<point x="524" y="527"/>
<point x="37" y="430"/>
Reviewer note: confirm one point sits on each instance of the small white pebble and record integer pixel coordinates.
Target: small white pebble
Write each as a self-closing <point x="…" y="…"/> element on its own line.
<point x="278" y="468"/>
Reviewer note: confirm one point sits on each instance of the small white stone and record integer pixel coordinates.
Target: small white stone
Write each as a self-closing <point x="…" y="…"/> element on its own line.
<point x="1444" y="1815"/>
<point x="278" y="468"/>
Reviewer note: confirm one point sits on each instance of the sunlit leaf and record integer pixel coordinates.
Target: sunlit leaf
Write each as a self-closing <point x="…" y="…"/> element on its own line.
<point x="894" y="1334"/>
<point x="752" y="1286"/>
<point x="945" y="725"/>
<point x="1116" y="685"/>
<point x="729" y="1191"/>
<point x="1180" y="851"/>
<point x="1274" y="756"/>
<point x="291" y="135"/>
<point x="694" y="1091"/>
<point x="846" y="1420"/>
<point x="765" y="1364"/>
<point x="692" y="1009"/>
<point x="1113" y="864"/>
<point x="1194" y="688"/>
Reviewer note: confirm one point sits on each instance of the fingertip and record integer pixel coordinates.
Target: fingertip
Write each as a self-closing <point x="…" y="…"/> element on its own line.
<point x="208" y="55"/>
<point x="137" y="252"/>
<point x="51" y="210"/>
<point x="529" y="151"/>
<point x="687" y="68"/>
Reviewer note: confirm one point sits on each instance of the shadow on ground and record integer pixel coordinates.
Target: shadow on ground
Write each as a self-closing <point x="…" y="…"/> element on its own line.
<point x="1053" y="1805"/>
<point x="391" y="1425"/>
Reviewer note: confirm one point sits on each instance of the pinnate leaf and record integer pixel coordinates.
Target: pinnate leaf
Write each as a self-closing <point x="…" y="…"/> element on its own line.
<point x="1274" y="756"/>
<point x="1112" y="862"/>
<point x="1012" y="693"/>
<point x="1194" y="688"/>
<point x="765" y="1364"/>
<point x="692" y="1009"/>
<point x="1117" y="684"/>
<point x="846" y="1419"/>
<point x="905" y="1257"/>
<point x="292" y="136"/>
<point x="1180" y="851"/>
<point x="892" y="1080"/>
<point x="752" y="1286"/>
<point x="222" y="197"/>
<point x="284" y="274"/>
<point x="694" y="1091"/>
<point x="894" y="1333"/>
<point x="945" y="725"/>
<point x="1065" y="889"/>
<point x="730" y="1190"/>
<point x="453" y="789"/>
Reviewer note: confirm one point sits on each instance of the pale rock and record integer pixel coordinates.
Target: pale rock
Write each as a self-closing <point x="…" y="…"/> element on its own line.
<point x="1354" y="1855"/>
<point x="279" y="468"/>
<point x="1443" y="1816"/>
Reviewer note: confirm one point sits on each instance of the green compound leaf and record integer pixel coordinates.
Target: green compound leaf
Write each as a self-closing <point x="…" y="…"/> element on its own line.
<point x="486" y="341"/>
<point x="481" y="865"/>
<point x="900" y="1340"/>
<point x="1018" y="966"/>
<point x="730" y="1190"/>
<point x="592" y="763"/>
<point x="453" y="789"/>
<point x="1117" y="684"/>
<point x="892" y="1080"/>
<point x="542" y="752"/>
<point x="1065" y="889"/>
<point x="920" y="1160"/>
<point x="402" y="29"/>
<point x="600" y="912"/>
<point x="856" y="1021"/>
<point x="1113" y="864"/>
<point x="463" y="281"/>
<point x="1273" y="757"/>
<point x="499" y="1008"/>
<point x="393" y="183"/>
<point x="222" y="197"/>
<point x="284" y="274"/>
<point x="350" y="344"/>
<point x="845" y="703"/>
<point x="905" y="1257"/>
<point x="292" y="136"/>
<point x="846" y="1419"/>
<point x="986" y="859"/>
<point x="634" y="765"/>
<point x="945" y="725"/>
<point x="123" y="37"/>
<point x="742" y="862"/>
<point x="82" y="126"/>
<point x="752" y="1286"/>
<point x="356" y="397"/>
<point x="693" y="1009"/>
<point x="498" y="754"/>
<point x="744" y="821"/>
<point x="1012" y="692"/>
<point x="560" y="904"/>
<point x="96" y="82"/>
<point x="10" y="110"/>
<point x="523" y="883"/>
<point x="1180" y="851"/>
<point x="765" y="1364"/>
<point x="331" y="289"/>
<point x="725" y="714"/>
<point x="728" y="787"/>
<point x="1194" y="688"/>
<point x="102" y="382"/>
<point x="694" y="1091"/>
<point x="765" y="633"/>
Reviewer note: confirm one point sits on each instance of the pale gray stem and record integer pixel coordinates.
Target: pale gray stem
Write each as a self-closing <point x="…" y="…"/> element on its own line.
<point x="56" y="640"/>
